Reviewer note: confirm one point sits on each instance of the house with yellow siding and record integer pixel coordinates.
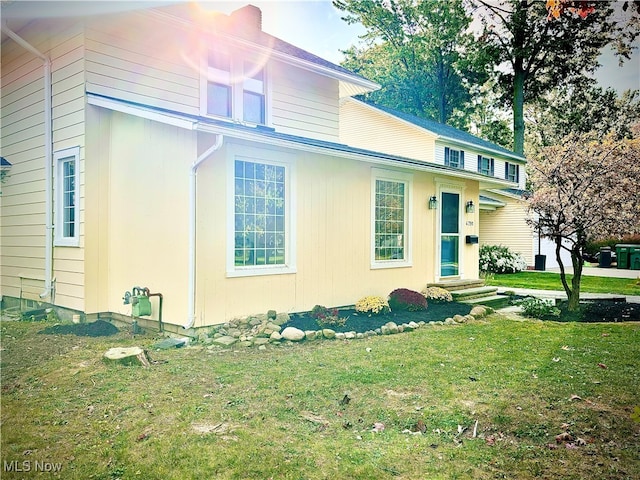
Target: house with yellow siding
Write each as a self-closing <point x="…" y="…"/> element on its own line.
<point x="196" y="156"/>
<point x="502" y="211"/>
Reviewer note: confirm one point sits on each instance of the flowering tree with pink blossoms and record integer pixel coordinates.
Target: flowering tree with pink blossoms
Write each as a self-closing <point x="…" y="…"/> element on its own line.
<point x="584" y="189"/>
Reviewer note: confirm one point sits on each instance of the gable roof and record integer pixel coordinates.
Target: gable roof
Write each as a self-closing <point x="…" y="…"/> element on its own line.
<point x="449" y="133"/>
<point x="236" y="28"/>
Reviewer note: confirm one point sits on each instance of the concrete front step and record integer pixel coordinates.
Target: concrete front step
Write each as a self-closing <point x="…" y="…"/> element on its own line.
<point x="455" y="285"/>
<point x="493" y="301"/>
<point x="476" y="292"/>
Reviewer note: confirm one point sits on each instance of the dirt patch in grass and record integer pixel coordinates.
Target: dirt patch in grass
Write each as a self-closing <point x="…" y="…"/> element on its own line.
<point x="358" y="322"/>
<point x="99" y="328"/>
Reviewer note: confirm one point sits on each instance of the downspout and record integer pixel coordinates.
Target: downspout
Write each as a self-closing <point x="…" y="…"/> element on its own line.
<point x="48" y="148"/>
<point x="192" y="230"/>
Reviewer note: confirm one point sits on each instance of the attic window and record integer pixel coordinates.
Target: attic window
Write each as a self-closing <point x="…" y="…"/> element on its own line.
<point x="234" y="88"/>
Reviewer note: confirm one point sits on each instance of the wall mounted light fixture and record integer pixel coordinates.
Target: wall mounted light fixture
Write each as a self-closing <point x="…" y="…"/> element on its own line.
<point x="433" y="202"/>
<point x="470" y="207"/>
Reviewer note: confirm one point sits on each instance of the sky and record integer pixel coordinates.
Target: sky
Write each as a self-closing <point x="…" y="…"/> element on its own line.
<point x="313" y="25"/>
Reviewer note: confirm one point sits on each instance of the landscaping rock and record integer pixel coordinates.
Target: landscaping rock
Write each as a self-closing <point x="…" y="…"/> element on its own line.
<point x="275" y="337"/>
<point x="293" y="334"/>
<point x="310" y="334"/>
<point x="478" y="311"/>
<point x="350" y="335"/>
<point x="328" y="333"/>
<point x="225" y="340"/>
<point x="392" y="327"/>
<point x="281" y="319"/>
<point x="260" y="341"/>
<point x="458" y="318"/>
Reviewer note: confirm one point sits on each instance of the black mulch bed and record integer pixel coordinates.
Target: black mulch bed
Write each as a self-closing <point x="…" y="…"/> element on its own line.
<point x="601" y="312"/>
<point x="358" y="322"/>
<point x="99" y="328"/>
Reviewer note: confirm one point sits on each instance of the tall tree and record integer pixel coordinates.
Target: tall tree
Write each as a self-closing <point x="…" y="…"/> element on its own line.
<point x="584" y="188"/>
<point x="413" y="49"/>
<point x="580" y="109"/>
<point x="535" y="54"/>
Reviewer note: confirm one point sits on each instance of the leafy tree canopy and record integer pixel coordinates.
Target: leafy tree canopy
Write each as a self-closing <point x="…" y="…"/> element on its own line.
<point x="418" y="51"/>
<point x="586" y="187"/>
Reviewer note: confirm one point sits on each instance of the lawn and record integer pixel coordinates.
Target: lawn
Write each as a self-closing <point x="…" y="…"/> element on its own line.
<point x="480" y="400"/>
<point x="551" y="281"/>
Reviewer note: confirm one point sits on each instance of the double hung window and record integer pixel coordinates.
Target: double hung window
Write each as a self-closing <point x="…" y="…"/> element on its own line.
<point x="486" y="165"/>
<point x="512" y="172"/>
<point x="235" y="88"/>
<point x="67" y="196"/>
<point x="453" y="158"/>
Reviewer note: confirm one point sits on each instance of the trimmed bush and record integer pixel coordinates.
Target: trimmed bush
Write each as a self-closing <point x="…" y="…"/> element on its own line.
<point x="499" y="259"/>
<point x="405" y="299"/>
<point x="372" y="305"/>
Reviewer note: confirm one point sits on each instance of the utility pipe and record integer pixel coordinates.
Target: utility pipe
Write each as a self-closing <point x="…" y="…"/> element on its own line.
<point x="192" y="230"/>
<point x="48" y="156"/>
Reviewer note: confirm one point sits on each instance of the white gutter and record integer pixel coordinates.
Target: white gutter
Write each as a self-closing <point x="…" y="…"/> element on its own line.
<point x="192" y="230"/>
<point x="48" y="148"/>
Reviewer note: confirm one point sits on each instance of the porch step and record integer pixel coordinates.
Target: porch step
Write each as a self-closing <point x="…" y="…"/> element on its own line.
<point x="472" y="293"/>
<point x="493" y="301"/>
<point x="454" y="285"/>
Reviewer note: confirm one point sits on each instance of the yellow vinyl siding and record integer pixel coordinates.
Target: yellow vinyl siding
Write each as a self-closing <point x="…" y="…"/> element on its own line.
<point x="304" y="103"/>
<point x="22" y="230"/>
<point x="507" y="226"/>
<point x="141" y="58"/>
<point x="363" y="127"/>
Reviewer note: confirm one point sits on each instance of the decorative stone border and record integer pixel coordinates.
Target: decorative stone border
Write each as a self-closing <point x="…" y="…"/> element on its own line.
<point x="263" y="329"/>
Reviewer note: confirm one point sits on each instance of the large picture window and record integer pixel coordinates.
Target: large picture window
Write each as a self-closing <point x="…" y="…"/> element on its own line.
<point x="391" y="192"/>
<point x="259" y="214"/>
<point x="67" y="196"/>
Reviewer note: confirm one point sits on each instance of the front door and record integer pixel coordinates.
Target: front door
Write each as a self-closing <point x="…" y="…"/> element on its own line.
<point x="450" y="234"/>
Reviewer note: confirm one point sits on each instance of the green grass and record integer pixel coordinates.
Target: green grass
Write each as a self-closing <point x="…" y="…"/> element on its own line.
<point x="551" y="281"/>
<point x="278" y="414"/>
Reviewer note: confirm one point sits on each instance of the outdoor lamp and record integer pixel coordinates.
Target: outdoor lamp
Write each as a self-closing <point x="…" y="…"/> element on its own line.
<point x="433" y="202"/>
<point x="470" y="208"/>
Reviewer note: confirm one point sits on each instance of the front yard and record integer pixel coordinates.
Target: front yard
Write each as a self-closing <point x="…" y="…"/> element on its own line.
<point x="488" y="399"/>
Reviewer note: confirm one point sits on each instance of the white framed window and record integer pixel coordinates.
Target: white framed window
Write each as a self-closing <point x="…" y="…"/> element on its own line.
<point x="260" y="217"/>
<point x="512" y="172"/>
<point x="390" y="219"/>
<point x="486" y="165"/>
<point x="453" y="158"/>
<point x="234" y="87"/>
<point x="67" y="197"/>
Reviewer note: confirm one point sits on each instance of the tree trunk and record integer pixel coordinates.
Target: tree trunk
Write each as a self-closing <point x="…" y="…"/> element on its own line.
<point x="578" y="263"/>
<point x="127" y="356"/>
<point x="518" y="108"/>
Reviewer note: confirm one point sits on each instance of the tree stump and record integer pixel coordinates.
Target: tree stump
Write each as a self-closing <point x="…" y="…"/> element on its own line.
<point x="127" y="356"/>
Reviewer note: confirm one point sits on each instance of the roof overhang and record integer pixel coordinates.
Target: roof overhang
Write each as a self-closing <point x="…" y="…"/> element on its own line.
<point x="268" y="136"/>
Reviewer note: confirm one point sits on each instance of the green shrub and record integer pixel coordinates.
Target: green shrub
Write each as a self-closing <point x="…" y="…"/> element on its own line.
<point x="405" y="299"/>
<point x="594" y="246"/>
<point x="539" y="308"/>
<point x="327" y="317"/>
<point x="499" y="259"/>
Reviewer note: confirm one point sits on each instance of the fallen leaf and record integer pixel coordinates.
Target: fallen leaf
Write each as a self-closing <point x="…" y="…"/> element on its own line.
<point x="142" y="436"/>
<point x="564" y="437"/>
<point x="602" y="365"/>
<point x="575" y="397"/>
<point x="570" y="446"/>
<point x="605" y="334"/>
<point x="345" y="400"/>
<point x="580" y="442"/>
<point x="566" y="347"/>
<point x="552" y="446"/>
<point x="556" y="359"/>
<point x="378" y="427"/>
<point x="490" y="440"/>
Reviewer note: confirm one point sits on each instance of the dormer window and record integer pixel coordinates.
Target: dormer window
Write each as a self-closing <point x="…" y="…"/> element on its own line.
<point x="486" y="165"/>
<point x="235" y="88"/>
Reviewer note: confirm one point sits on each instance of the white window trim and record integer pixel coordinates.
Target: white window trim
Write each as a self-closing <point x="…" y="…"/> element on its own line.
<point x="407" y="179"/>
<point x="270" y="158"/>
<point x="58" y="158"/>
<point x="237" y="84"/>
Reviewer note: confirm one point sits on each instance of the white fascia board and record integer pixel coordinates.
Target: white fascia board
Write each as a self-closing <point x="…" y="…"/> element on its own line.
<point x="377" y="158"/>
<point x="505" y="194"/>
